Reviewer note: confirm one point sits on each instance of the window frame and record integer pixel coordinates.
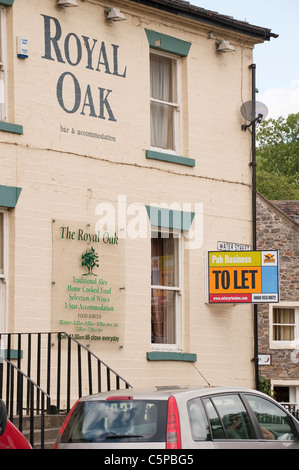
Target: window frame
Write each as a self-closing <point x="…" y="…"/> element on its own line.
<point x="276" y="406"/>
<point x="177" y="345"/>
<point x="177" y="124"/>
<point x="284" y="344"/>
<point x="211" y="405"/>
<point x="291" y="384"/>
<point x="250" y="418"/>
<point x="3" y="64"/>
<point x="4" y="274"/>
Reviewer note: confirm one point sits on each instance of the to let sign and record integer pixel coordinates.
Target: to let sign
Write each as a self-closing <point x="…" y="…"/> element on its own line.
<point x="243" y="277"/>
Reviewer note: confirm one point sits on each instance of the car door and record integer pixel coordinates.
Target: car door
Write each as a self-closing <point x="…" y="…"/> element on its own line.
<point x="278" y="430"/>
<point x="230" y="423"/>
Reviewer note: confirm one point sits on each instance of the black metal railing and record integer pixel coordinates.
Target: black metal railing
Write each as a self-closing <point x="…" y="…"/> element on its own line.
<point x="57" y="367"/>
<point x="13" y="384"/>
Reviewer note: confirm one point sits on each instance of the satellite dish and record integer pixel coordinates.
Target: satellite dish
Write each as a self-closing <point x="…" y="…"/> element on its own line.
<point x="253" y="111"/>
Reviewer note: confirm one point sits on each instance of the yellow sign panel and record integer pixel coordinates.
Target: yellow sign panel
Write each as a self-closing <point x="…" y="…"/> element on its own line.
<point x="237" y="258"/>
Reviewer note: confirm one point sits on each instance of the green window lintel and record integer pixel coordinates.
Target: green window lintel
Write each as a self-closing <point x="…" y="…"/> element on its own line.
<point x="167" y="157"/>
<point x="168" y="218"/>
<point x="8" y="127"/>
<point x="170" y="356"/>
<point x="8" y="3"/>
<point x="9" y="196"/>
<point x="166" y="43"/>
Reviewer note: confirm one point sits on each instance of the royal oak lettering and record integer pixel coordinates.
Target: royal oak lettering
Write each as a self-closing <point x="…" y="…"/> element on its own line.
<point x="92" y="101"/>
<point x="80" y="235"/>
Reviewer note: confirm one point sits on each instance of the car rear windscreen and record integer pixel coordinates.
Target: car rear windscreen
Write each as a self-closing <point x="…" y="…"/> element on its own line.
<point x="117" y="421"/>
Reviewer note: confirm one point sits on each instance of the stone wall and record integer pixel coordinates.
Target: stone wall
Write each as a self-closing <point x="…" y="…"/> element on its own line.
<point x="276" y="230"/>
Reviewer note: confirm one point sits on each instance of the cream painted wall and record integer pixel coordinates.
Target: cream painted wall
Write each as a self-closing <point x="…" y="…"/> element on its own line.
<point x="65" y="176"/>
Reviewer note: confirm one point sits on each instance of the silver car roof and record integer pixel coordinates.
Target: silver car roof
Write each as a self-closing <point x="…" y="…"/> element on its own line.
<point x="164" y="392"/>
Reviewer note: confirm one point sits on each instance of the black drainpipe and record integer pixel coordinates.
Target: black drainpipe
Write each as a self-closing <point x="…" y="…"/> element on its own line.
<point x="253" y="167"/>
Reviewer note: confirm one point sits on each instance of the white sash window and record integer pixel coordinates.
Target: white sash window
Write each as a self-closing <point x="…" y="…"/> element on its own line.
<point x="284" y="322"/>
<point x="166" y="288"/>
<point x="164" y="102"/>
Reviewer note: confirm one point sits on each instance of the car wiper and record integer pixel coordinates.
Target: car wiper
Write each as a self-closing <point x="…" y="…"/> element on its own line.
<point x="122" y="436"/>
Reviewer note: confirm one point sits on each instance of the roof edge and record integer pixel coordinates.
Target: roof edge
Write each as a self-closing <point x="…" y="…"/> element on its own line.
<point x="186" y="10"/>
<point x="277" y="209"/>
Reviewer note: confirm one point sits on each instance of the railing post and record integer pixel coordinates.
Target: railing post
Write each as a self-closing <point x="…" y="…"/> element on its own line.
<point x="11" y="401"/>
<point x="69" y="356"/>
<point x="1" y="377"/>
<point x="28" y="371"/>
<point x="108" y="379"/>
<point x="19" y="366"/>
<point x="79" y="371"/>
<point x="38" y="365"/>
<point x="99" y="377"/>
<point x="8" y="371"/>
<point x="89" y="372"/>
<point x="20" y="401"/>
<point x="32" y="414"/>
<point x="42" y="434"/>
<point x="58" y="369"/>
<point x="49" y="370"/>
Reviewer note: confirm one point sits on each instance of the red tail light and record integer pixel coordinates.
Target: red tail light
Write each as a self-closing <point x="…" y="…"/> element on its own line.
<point x="64" y="425"/>
<point x="117" y="398"/>
<point x="173" y="433"/>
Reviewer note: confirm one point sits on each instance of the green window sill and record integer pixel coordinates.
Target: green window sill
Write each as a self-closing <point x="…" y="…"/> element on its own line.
<point x="8" y="127"/>
<point x="166" y="157"/>
<point x="8" y="3"/>
<point x="170" y="356"/>
<point x="13" y="353"/>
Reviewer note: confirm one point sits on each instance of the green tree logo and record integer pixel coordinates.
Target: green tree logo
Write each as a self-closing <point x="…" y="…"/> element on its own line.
<point x="90" y="260"/>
